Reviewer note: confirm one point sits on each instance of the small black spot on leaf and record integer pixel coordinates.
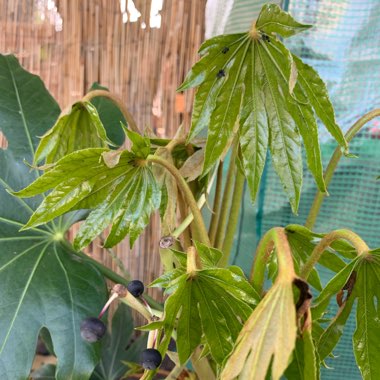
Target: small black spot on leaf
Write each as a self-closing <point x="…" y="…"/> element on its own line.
<point x="225" y="50"/>
<point x="220" y="74"/>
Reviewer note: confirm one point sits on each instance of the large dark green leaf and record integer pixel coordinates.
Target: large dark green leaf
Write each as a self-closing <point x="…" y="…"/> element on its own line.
<point x="42" y="284"/>
<point x="79" y="129"/>
<point x="118" y="347"/>
<point x="247" y="83"/>
<point x="213" y="302"/>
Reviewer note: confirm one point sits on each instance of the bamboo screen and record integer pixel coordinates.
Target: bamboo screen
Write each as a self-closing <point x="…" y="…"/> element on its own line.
<point x="72" y="43"/>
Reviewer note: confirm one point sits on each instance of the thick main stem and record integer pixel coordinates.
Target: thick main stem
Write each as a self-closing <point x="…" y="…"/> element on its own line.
<point x="359" y="245"/>
<point x="276" y="237"/>
<point x="225" y="207"/>
<point x="188" y="195"/>
<point x="233" y="218"/>
<point x="319" y="197"/>
<point x="124" y="110"/>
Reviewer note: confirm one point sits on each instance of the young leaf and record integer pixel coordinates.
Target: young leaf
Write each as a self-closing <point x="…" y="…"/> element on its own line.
<point x="140" y="144"/>
<point x="213" y="302"/>
<point x="118" y="347"/>
<point x="273" y="19"/>
<point x="81" y="128"/>
<point x="110" y="115"/>
<point x="35" y="266"/>
<point x="248" y="84"/>
<point x="269" y="332"/>
<point x="124" y="195"/>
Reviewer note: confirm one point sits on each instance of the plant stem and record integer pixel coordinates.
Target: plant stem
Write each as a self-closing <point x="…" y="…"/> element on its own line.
<point x="319" y="197"/>
<point x="233" y="218"/>
<point x="217" y="204"/>
<point x="183" y="212"/>
<point x="124" y="110"/>
<point x="360" y="246"/>
<point x="188" y="195"/>
<point x="274" y="238"/>
<point x="223" y="217"/>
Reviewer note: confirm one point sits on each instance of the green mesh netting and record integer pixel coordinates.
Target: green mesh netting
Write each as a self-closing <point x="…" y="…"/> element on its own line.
<point x="344" y="47"/>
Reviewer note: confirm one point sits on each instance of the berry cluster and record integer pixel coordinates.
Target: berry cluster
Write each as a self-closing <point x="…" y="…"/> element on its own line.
<point x="92" y="329"/>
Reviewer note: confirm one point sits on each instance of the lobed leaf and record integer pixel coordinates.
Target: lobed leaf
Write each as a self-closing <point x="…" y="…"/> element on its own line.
<point x="43" y="285"/>
<point x="123" y="195"/>
<point x="81" y="128"/>
<point x="249" y="84"/>
<point x="272" y="19"/>
<point x="268" y="336"/>
<point x="213" y="303"/>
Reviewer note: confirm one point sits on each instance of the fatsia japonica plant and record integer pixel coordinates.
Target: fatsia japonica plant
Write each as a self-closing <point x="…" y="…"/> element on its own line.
<point x="253" y="97"/>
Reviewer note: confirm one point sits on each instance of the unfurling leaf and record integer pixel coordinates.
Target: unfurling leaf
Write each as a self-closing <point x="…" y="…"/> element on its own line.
<point x="79" y="129"/>
<point x="269" y="332"/>
<point x="213" y="302"/>
<point x="124" y="195"/>
<point x="268" y="337"/>
<point x="250" y="84"/>
<point x="273" y="19"/>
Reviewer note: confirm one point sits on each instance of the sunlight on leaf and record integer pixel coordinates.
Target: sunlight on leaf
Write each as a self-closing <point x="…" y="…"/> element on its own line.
<point x="250" y="84"/>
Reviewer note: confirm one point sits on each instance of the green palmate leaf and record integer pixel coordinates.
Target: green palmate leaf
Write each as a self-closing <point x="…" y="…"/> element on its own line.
<point x="268" y="336"/>
<point x="124" y="195"/>
<point x="118" y="347"/>
<point x="81" y="128"/>
<point x="140" y="144"/>
<point x="213" y="303"/>
<point x="358" y="281"/>
<point x="273" y="19"/>
<point x="110" y="115"/>
<point x="248" y="83"/>
<point x="42" y="284"/>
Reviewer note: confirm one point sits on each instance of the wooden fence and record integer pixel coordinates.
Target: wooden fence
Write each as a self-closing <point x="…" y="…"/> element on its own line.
<point x="73" y="43"/>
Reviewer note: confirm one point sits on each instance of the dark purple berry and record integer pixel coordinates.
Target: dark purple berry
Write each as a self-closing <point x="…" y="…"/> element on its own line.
<point x="151" y="358"/>
<point x="92" y="329"/>
<point x="136" y="288"/>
